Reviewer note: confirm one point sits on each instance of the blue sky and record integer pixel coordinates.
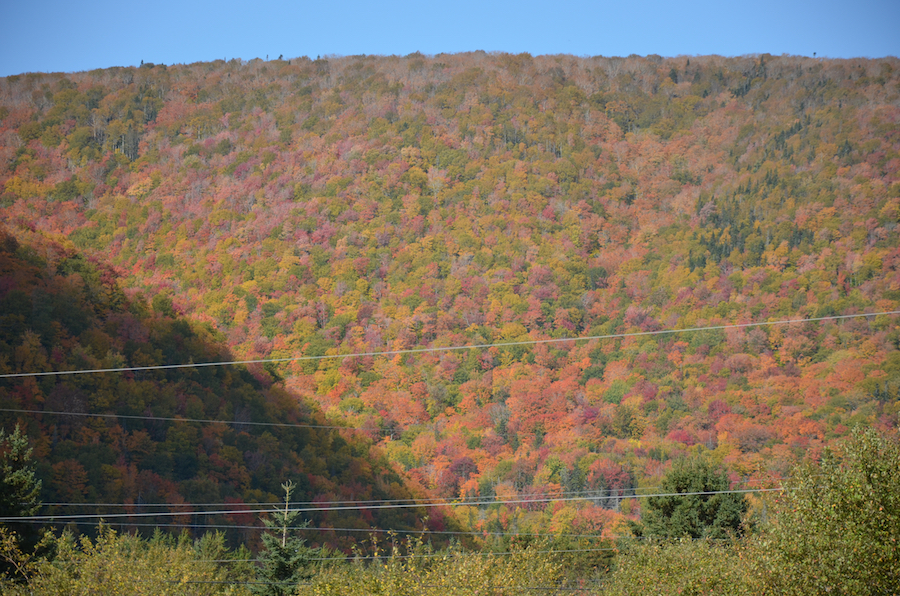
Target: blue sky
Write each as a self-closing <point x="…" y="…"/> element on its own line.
<point x="55" y="35"/>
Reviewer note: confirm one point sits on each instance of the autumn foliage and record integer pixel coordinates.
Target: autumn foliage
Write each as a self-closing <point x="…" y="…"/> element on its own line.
<point x="356" y="205"/>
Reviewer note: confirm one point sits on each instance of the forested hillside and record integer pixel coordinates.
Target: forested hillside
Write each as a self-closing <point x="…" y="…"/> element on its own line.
<point x="60" y="311"/>
<point x="350" y="205"/>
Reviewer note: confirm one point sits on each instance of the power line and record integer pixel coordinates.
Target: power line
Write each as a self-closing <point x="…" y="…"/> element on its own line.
<point x="441" y="348"/>
<point x="438" y="555"/>
<point x="63" y="518"/>
<point x="473" y="533"/>
<point x="420" y="585"/>
<point x="592" y="493"/>
<point x="483" y="534"/>
<point x="475" y="553"/>
<point x="309" y="584"/>
<point x="273" y="504"/>
<point x="434" y="555"/>
<point x="197" y="420"/>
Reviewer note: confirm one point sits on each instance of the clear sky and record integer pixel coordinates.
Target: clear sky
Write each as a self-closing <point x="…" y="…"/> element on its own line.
<point x="67" y="35"/>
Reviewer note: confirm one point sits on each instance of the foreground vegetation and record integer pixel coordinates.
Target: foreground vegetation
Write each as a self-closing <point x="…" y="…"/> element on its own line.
<point x="834" y="529"/>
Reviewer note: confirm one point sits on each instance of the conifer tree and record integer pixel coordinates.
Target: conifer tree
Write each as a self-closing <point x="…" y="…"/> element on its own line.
<point x="285" y="558"/>
<point x="19" y="491"/>
<point x="703" y="512"/>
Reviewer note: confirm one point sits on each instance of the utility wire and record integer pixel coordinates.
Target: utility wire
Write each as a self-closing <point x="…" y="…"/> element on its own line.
<point x="198" y="420"/>
<point x="416" y="350"/>
<point x="589" y="493"/>
<point x="63" y="518"/>
<point x="308" y="584"/>
<point x="433" y="555"/>
<point x="452" y="553"/>
<point x="483" y="534"/>
<point x="442" y="348"/>
<point x="474" y="553"/>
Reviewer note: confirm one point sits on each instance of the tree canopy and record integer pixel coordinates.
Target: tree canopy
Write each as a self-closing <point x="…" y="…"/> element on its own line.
<point x="836" y="529"/>
<point x="707" y="511"/>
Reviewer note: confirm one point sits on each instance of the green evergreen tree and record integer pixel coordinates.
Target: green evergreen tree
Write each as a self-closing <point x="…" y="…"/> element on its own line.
<point x="694" y="514"/>
<point x="19" y="491"/>
<point x="285" y="558"/>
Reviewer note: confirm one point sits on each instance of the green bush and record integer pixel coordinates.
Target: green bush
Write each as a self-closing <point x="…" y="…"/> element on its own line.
<point x="836" y="529"/>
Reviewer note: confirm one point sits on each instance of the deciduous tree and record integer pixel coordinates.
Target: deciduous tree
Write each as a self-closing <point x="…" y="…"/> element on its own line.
<point x="836" y="528"/>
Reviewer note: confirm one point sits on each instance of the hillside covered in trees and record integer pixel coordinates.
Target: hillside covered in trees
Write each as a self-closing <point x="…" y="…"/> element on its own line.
<point x="357" y="205"/>
<point x="61" y="311"/>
